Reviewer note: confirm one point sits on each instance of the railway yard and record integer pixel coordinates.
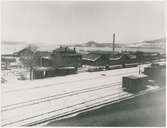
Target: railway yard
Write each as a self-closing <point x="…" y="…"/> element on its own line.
<point x="37" y="102"/>
<point x="84" y="63"/>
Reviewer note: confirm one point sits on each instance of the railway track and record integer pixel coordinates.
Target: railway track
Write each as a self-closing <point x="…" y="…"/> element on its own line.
<point x="81" y="105"/>
<point x="57" y="96"/>
<point x="67" y="109"/>
<point x="62" y="95"/>
<point x="60" y="83"/>
<point x="98" y="104"/>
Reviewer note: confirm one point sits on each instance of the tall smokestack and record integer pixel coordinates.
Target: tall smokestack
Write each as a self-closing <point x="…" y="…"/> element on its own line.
<point x="113" y="42"/>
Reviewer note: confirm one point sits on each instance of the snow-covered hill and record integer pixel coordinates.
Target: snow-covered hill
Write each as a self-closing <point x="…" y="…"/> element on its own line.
<point x="158" y="43"/>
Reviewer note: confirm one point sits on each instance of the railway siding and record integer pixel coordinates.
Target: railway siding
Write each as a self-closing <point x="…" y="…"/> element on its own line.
<point x="59" y="100"/>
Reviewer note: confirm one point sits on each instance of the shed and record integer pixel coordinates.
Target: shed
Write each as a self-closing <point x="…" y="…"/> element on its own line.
<point x="94" y="59"/>
<point x="65" y="57"/>
<point x="65" y="71"/>
<point x="134" y="83"/>
<point x="115" y="61"/>
<point x="43" y="72"/>
<point x="42" y="58"/>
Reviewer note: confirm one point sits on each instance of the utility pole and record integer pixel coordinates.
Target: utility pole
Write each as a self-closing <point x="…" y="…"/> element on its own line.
<point x="139" y="69"/>
<point x="113" y="43"/>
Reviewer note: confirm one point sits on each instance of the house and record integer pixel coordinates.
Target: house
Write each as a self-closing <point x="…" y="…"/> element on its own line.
<point x="65" y="57"/>
<point x="128" y="58"/>
<point x="24" y="52"/>
<point x="43" y="72"/>
<point x="115" y="60"/>
<point x="62" y="61"/>
<point x="25" y="56"/>
<point x="6" y="60"/>
<point x="108" y="59"/>
<point x="122" y="59"/>
<point x="38" y="58"/>
<point x="42" y="58"/>
<point x="147" y="56"/>
<point x="95" y="59"/>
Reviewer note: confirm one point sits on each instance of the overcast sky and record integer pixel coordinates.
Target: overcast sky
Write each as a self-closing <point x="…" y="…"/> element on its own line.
<point x="79" y="22"/>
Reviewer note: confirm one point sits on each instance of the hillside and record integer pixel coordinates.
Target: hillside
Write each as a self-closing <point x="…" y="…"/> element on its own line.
<point x="95" y="44"/>
<point x="158" y="43"/>
<point x="8" y="47"/>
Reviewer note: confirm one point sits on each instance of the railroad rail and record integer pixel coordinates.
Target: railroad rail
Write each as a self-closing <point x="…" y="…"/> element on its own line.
<point x="58" y="96"/>
<point x="60" y="83"/>
<point x="79" y="98"/>
<point x="82" y="107"/>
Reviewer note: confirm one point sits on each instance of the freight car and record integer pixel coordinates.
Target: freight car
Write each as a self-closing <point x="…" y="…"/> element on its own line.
<point x="134" y="83"/>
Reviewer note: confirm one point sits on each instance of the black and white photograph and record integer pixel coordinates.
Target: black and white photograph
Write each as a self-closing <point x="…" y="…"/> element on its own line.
<point x="83" y="63"/>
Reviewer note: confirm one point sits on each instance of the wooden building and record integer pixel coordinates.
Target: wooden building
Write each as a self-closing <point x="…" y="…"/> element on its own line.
<point x="26" y="57"/>
<point x="44" y="72"/>
<point x="42" y="58"/>
<point x="6" y="60"/>
<point x="115" y="60"/>
<point x="62" y="61"/>
<point x="144" y="57"/>
<point x="108" y="59"/>
<point x="65" y="57"/>
<point x="95" y="59"/>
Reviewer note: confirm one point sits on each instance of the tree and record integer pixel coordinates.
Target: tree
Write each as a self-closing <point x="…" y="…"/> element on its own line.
<point x="27" y="57"/>
<point x="32" y="47"/>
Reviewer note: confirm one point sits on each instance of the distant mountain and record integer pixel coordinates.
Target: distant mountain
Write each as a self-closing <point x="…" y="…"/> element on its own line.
<point x="9" y="47"/>
<point x="12" y="42"/>
<point x="158" y="43"/>
<point x="95" y="44"/>
<point x="161" y="40"/>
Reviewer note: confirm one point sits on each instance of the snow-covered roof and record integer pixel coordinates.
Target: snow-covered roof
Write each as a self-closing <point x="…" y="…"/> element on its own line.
<point x="91" y="57"/>
<point x="136" y="76"/>
<point x="47" y="57"/>
<point x="117" y="58"/>
<point x="67" y="68"/>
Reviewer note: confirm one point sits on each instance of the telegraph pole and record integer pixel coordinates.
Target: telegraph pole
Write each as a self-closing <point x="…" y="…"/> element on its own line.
<point x="113" y="43"/>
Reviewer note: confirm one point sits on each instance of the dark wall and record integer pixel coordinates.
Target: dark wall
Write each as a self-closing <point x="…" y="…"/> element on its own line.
<point x="66" y="60"/>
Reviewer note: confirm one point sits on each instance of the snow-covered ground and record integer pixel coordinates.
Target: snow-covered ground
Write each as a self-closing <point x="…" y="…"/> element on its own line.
<point x="28" y="101"/>
<point x="14" y="75"/>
